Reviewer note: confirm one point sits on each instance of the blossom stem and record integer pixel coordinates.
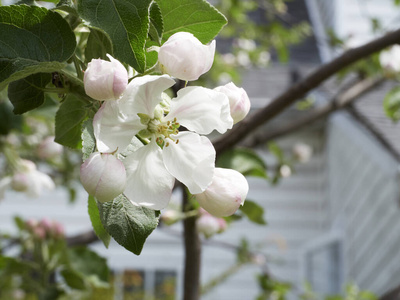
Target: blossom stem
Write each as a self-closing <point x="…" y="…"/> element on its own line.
<point x="78" y="69"/>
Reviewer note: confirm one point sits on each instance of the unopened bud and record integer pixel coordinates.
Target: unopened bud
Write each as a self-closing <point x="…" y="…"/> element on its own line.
<point x="103" y="176"/>
<point x="183" y="56"/>
<point x="239" y="102"/>
<point x="170" y="216"/>
<point x="105" y="80"/>
<point x="207" y="225"/>
<point x="225" y="194"/>
<point x="48" y="148"/>
<point x="302" y="152"/>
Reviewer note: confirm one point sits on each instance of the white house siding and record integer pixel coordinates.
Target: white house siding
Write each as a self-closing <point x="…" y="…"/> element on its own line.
<point x="364" y="205"/>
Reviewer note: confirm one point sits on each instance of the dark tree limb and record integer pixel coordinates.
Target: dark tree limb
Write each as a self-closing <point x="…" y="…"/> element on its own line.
<point x="304" y="86"/>
<point x="393" y="294"/>
<point x="191" y="283"/>
<point x="341" y="100"/>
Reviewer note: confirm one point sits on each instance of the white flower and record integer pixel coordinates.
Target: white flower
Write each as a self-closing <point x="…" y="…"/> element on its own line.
<point x="105" y="80"/>
<point x="390" y="59"/>
<point x="226" y="193"/>
<point x="239" y="102"/>
<point x="49" y="149"/>
<point x="103" y="176"/>
<point x="285" y="171"/>
<point x="302" y="152"/>
<point x="27" y="179"/>
<point x="186" y="156"/>
<point x="183" y="56"/>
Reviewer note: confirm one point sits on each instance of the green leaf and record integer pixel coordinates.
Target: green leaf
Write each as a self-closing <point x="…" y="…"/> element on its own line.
<point x="8" y="120"/>
<point x="88" y="139"/>
<point x="156" y="23"/>
<point x="127" y="24"/>
<point x="128" y="224"/>
<point x="254" y="212"/>
<point x="88" y="263"/>
<point x="98" y="45"/>
<point x="98" y="227"/>
<point x="27" y="94"/>
<point x="34" y="40"/>
<point x="391" y="104"/>
<point x="73" y="279"/>
<point x="67" y="6"/>
<point x="69" y="118"/>
<point x="243" y="160"/>
<point x="195" y="16"/>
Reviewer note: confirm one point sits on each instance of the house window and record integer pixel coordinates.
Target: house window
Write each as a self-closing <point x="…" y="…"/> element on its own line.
<point x="323" y="265"/>
<point x="146" y="284"/>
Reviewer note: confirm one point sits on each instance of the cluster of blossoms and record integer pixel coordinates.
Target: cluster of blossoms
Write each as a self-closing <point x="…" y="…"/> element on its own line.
<point x="45" y="228"/>
<point x="26" y="179"/>
<point x="142" y="109"/>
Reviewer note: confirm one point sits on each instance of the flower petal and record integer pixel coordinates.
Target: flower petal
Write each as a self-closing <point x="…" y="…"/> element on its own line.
<point x="201" y="110"/>
<point x="112" y="130"/>
<point x="143" y="94"/>
<point x="148" y="181"/>
<point x="191" y="160"/>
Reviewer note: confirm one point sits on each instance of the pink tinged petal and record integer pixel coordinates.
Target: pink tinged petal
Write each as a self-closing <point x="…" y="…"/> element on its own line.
<point x="183" y="56"/>
<point x="148" y="181"/>
<point x="105" y="80"/>
<point x="238" y="100"/>
<point x="191" y="160"/>
<point x="143" y="94"/>
<point x="112" y="130"/>
<point x="120" y="80"/>
<point x="201" y="110"/>
<point x="103" y="176"/>
<point x="226" y="193"/>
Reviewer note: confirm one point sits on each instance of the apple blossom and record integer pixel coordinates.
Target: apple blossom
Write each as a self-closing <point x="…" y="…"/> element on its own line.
<point x="49" y="149"/>
<point x="225" y="194"/>
<point x="103" y="176"/>
<point x="105" y="80"/>
<point x="239" y="102"/>
<point x="27" y="179"/>
<point x="183" y="56"/>
<point x="169" y="154"/>
<point x="390" y="59"/>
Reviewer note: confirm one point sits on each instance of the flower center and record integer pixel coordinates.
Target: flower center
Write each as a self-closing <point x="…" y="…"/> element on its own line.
<point x="160" y="130"/>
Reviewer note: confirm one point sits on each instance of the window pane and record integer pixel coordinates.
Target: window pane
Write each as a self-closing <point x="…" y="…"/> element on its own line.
<point x="133" y="285"/>
<point x="165" y="285"/>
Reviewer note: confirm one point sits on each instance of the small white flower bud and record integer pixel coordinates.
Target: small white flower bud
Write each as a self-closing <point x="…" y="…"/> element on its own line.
<point x="105" y="80"/>
<point x="49" y="149"/>
<point x="103" y="176"/>
<point x="302" y="152"/>
<point x="239" y="102"/>
<point x="170" y="216"/>
<point x="390" y="59"/>
<point x="208" y="225"/>
<point x="225" y="194"/>
<point x="183" y="56"/>
<point x="20" y="182"/>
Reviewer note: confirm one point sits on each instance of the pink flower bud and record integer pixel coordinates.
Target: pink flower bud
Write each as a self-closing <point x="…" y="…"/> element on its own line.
<point x="48" y="148"/>
<point x="239" y="102"/>
<point x="105" y="80"/>
<point x="183" y="56"/>
<point x="207" y="225"/>
<point x="225" y="194"/>
<point x="103" y="176"/>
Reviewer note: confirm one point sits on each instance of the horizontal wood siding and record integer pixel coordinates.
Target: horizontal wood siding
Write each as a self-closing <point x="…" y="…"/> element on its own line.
<point x="364" y="195"/>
